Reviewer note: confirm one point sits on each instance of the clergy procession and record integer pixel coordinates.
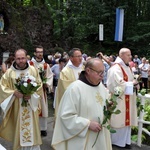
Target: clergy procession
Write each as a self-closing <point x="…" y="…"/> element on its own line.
<point x="94" y="100"/>
<point x="74" y="75"/>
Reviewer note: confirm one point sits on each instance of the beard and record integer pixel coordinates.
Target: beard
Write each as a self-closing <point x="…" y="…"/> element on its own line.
<point x="21" y="65"/>
<point x="39" y="57"/>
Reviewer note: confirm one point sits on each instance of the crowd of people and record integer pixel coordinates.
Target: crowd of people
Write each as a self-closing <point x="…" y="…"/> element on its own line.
<point x="80" y="84"/>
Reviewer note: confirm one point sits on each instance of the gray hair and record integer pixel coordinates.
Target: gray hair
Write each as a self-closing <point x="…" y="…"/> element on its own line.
<point x="90" y="62"/>
<point x="71" y="52"/>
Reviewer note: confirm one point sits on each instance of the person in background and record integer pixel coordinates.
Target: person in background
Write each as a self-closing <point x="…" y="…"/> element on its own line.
<point x="137" y="73"/>
<point x="104" y="81"/>
<point x="7" y="63"/>
<point x="149" y="77"/>
<point x="144" y="73"/>
<point x="131" y="63"/>
<point x="136" y="70"/>
<point x="57" y="57"/>
<point x="12" y="127"/>
<point x="109" y="60"/>
<point x="112" y="59"/>
<point x="77" y="123"/>
<point x="147" y="61"/>
<point x="66" y="57"/>
<point x="137" y="59"/>
<point x="69" y="74"/>
<point x="56" y="69"/>
<point x="121" y="75"/>
<point x="28" y="58"/>
<point x="1" y="24"/>
<point x="47" y="77"/>
<point x="107" y="64"/>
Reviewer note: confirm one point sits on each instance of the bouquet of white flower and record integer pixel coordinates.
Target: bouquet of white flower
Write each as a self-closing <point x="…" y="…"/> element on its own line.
<point x="27" y="85"/>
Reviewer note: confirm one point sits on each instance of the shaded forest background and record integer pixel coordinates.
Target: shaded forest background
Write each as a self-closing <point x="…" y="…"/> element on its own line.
<point x="59" y="25"/>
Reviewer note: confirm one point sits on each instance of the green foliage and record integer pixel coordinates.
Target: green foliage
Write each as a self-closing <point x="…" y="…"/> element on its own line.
<point x="76" y="23"/>
<point x="134" y="138"/>
<point x="142" y="92"/>
<point x="28" y="46"/>
<point x="30" y="89"/>
<point x="147" y="114"/>
<point x="110" y="109"/>
<point x="26" y="2"/>
<point x="139" y="106"/>
<point x="146" y="109"/>
<point x="58" y="49"/>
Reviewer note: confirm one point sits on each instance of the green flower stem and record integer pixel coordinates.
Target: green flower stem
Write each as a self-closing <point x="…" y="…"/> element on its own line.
<point x="108" y="110"/>
<point x="24" y="103"/>
<point x="97" y="135"/>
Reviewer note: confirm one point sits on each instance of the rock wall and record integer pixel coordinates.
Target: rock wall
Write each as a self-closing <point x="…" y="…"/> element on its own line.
<point x="25" y="27"/>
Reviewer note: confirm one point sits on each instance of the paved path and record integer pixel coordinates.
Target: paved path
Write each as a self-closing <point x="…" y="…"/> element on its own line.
<point x="47" y="140"/>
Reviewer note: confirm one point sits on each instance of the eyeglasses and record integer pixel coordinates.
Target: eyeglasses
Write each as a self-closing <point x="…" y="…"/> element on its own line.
<point x="39" y="52"/>
<point x="100" y="73"/>
<point x="79" y="56"/>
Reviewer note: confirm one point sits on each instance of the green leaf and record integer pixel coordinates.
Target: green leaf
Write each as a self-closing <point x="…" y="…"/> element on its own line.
<point x="134" y="138"/>
<point x="112" y="131"/>
<point x="104" y="121"/>
<point x="29" y="88"/>
<point x="23" y="89"/>
<point x="143" y="92"/>
<point x="108" y="127"/>
<point x="117" y="111"/>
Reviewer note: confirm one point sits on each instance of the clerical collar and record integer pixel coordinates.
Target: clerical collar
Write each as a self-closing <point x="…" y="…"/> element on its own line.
<point x="127" y="65"/>
<point x="121" y="62"/>
<point x="70" y="65"/>
<point x="15" y="66"/>
<point x="83" y="78"/>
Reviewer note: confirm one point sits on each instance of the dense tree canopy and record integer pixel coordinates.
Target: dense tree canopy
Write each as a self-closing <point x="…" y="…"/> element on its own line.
<point x="76" y="23"/>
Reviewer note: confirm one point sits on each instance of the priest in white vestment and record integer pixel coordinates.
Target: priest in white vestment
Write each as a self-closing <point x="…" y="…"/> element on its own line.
<point x="20" y="125"/>
<point x="47" y="78"/>
<point x="121" y="75"/>
<point x="69" y="74"/>
<point x="80" y="112"/>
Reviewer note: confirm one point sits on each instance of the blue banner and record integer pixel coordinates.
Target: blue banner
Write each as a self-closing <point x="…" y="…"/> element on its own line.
<point x="119" y="24"/>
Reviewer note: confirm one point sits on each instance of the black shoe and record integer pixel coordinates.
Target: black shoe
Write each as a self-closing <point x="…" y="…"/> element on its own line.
<point x="128" y="146"/>
<point x="43" y="133"/>
<point x="120" y="147"/>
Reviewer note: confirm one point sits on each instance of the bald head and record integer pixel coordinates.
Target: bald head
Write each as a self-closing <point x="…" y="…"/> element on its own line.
<point x="125" y="55"/>
<point x="94" y="69"/>
<point x="93" y="62"/>
<point x="21" y="51"/>
<point x="123" y="51"/>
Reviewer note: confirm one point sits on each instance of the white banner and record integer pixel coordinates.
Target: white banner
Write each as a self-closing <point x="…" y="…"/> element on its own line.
<point x="101" y="32"/>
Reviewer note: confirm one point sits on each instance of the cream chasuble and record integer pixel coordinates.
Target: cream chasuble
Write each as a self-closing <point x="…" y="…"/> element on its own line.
<point x="80" y="104"/>
<point x="67" y="76"/>
<point x="20" y="124"/>
<point x="116" y="78"/>
<point x="49" y="83"/>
